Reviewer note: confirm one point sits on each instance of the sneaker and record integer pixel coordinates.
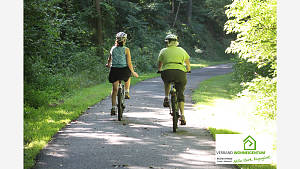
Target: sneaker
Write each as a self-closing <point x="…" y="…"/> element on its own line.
<point x="166" y="102"/>
<point x="127" y="95"/>
<point x="182" y="121"/>
<point x="113" y="111"/>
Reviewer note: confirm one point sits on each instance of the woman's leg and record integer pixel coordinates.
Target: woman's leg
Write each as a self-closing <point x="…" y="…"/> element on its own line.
<point x="127" y="85"/>
<point x="114" y="93"/>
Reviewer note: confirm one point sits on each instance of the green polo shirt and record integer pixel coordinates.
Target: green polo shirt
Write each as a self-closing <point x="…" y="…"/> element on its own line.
<point x="173" y="57"/>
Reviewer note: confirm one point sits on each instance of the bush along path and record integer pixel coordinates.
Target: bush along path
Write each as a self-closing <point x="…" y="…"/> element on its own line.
<point x="144" y="139"/>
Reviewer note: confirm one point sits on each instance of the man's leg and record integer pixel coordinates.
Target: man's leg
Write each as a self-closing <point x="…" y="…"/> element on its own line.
<point x="181" y="108"/>
<point x="167" y="91"/>
<point x="180" y="87"/>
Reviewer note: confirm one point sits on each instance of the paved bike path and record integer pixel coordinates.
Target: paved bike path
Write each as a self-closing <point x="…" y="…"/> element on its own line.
<point x="143" y="140"/>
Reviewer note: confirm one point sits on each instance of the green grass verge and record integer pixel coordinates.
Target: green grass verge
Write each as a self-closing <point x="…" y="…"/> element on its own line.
<point x="41" y="124"/>
<point x="214" y="131"/>
<point x="218" y="87"/>
<point x="217" y="96"/>
<point x="198" y="63"/>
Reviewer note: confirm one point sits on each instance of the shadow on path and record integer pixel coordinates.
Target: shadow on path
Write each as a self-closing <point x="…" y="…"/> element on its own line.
<point x="144" y="139"/>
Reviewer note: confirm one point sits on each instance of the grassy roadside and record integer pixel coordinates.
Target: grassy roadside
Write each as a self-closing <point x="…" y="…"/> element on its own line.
<point x="217" y="102"/>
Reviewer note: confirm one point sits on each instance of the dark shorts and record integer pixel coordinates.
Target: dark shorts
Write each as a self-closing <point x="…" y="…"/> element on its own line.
<point x="116" y="74"/>
<point x="179" y="78"/>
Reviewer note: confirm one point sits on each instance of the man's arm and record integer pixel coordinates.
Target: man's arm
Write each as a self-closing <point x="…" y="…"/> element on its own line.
<point x="188" y="65"/>
<point x="159" y="65"/>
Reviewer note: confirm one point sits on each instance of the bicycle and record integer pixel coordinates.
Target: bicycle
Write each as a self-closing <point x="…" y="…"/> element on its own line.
<point x="121" y="100"/>
<point x="174" y="108"/>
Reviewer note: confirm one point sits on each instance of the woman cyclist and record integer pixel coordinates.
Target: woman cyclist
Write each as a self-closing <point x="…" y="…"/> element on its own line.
<point x="171" y="62"/>
<point x="121" y="68"/>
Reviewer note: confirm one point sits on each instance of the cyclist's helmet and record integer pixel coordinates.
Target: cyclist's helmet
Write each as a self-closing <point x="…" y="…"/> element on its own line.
<point x="171" y="37"/>
<point x="121" y="36"/>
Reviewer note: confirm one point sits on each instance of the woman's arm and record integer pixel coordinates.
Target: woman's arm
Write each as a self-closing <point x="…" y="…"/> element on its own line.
<point x="108" y="61"/>
<point x="128" y="59"/>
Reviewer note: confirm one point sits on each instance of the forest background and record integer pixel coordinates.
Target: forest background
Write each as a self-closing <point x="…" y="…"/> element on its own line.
<point x="66" y="43"/>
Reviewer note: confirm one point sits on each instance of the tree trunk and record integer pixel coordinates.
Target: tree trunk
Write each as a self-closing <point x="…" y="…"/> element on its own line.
<point x="176" y="14"/>
<point x="173" y="7"/>
<point x="189" y="12"/>
<point x="99" y="26"/>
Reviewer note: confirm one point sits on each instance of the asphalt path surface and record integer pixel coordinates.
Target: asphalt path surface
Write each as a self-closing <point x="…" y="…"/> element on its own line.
<point x="143" y="140"/>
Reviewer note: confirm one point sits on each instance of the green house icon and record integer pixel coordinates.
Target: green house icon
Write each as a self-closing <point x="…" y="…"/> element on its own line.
<point x="249" y="143"/>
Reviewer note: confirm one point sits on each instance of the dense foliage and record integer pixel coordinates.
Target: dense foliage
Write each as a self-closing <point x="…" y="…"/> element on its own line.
<point x="255" y="23"/>
<point x="66" y="42"/>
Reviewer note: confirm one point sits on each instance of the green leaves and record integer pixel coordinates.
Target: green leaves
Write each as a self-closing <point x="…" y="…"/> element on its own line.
<point x="255" y="23"/>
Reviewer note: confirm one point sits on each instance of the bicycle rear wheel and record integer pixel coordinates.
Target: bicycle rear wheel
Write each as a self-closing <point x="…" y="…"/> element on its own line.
<point x="120" y="102"/>
<point x="174" y="106"/>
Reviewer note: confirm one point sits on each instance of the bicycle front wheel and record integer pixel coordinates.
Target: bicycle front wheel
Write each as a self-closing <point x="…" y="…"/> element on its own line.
<point x="174" y="111"/>
<point x="120" y="103"/>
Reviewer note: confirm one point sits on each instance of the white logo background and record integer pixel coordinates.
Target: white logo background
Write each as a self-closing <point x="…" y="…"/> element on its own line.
<point x="230" y="149"/>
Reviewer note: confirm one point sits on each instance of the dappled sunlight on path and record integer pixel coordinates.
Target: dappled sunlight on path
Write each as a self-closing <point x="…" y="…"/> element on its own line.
<point x="144" y="139"/>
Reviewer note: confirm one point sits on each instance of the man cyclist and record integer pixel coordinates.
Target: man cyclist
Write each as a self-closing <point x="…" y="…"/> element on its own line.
<point x="171" y="62"/>
<point x="121" y="68"/>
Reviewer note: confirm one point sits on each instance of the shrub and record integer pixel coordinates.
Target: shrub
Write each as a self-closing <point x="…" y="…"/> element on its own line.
<point x="264" y="91"/>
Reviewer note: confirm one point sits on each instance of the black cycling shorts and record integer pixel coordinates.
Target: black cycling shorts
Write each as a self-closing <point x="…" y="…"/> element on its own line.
<point x="179" y="78"/>
<point x="116" y="74"/>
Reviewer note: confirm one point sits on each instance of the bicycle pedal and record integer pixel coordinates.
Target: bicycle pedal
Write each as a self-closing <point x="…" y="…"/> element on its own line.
<point x="182" y="122"/>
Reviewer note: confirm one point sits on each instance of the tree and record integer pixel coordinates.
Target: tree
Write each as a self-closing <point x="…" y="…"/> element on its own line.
<point x="189" y="12"/>
<point x="99" y="26"/>
<point x="178" y="7"/>
<point x="173" y="7"/>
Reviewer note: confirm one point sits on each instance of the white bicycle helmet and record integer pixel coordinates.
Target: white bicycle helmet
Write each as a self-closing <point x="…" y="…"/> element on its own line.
<point x="171" y="37"/>
<point x="121" y="36"/>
